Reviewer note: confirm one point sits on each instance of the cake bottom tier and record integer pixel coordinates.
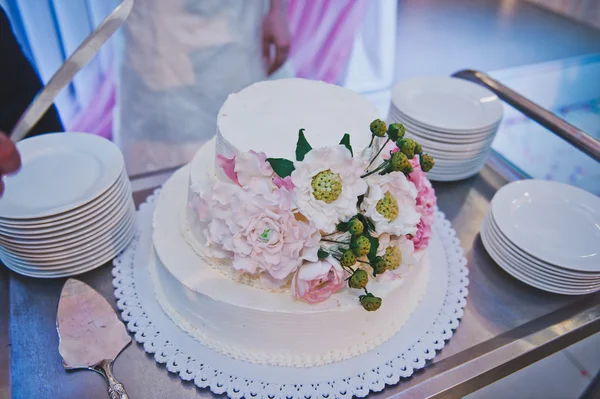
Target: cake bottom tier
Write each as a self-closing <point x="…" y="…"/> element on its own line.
<point x="261" y="326"/>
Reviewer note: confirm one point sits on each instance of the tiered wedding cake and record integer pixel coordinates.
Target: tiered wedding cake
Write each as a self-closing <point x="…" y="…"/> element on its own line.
<point x="293" y="247"/>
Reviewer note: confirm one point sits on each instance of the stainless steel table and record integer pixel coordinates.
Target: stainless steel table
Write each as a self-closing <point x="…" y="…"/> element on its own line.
<point x="507" y="325"/>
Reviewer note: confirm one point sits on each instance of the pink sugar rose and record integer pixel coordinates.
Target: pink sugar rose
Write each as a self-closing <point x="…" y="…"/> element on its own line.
<point x="252" y="165"/>
<point x="315" y="282"/>
<point x="285" y="182"/>
<point x="245" y="166"/>
<point x="256" y="226"/>
<point x="426" y="202"/>
<point x="421" y="238"/>
<point x="228" y="166"/>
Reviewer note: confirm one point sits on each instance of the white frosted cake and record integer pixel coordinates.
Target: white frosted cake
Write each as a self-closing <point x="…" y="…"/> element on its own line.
<point x="298" y="235"/>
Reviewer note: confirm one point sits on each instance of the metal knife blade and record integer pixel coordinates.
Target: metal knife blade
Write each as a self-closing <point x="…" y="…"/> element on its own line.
<point x="88" y="327"/>
<point x="61" y="79"/>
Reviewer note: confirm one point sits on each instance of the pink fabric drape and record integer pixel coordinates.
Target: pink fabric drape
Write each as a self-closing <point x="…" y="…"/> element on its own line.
<point x="323" y="34"/>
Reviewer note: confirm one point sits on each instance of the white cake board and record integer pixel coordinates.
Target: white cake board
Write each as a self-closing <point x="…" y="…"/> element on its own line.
<point x="425" y="332"/>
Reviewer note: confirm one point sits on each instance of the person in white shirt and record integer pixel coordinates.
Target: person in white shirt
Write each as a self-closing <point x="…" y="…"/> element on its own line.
<point x="181" y="60"/>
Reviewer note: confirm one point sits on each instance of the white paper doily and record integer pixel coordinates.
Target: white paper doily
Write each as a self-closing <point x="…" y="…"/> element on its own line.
<point x="426" y="331"/>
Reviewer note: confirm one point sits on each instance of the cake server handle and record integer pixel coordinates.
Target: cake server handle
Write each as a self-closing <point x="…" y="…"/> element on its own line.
<point x="116" y="390"/>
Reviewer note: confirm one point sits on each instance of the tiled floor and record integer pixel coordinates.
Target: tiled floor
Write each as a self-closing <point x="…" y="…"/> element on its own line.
<point x="439" y="37"/>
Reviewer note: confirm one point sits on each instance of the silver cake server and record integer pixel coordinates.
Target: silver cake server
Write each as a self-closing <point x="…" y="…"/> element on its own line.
<point x="61" y="79"/>
<point x="91" y="335"/>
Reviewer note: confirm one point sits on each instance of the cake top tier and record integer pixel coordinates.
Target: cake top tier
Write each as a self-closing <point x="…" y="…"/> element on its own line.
<point x="266" y="117"/>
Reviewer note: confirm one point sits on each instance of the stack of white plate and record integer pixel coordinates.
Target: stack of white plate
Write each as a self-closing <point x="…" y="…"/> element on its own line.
<point x="454" y="120"/>
<point x="547" y="235"/>
<point x="69" y="209"/>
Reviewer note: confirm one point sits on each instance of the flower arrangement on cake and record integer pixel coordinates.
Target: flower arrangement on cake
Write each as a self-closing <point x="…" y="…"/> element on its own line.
<point x="330" y="220"/>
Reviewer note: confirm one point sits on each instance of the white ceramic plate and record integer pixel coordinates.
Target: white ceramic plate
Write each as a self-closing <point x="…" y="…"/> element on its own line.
<point x="447" y="103"/>
<point x="429" y="144"/>
<point x="447" y="164"/>
<point x="504" y="264"/>
<point x="68" y="241"/>
<point x="60" y="172"/>
<point x="100" y="248"/>
<point x="396" y="116"/>
<point x="537" y="263"/>
<point x="532" y="269"/>
<point x="115" y="212"/>
<point x="82" y="247"/>
<point x="456" y="177"/>
<point x="450" y="139"/>
<point x="451" y="155"/>
<point x="81" y="211"/>
<point x="89" y="265"/>
<point x="116" y="200"/>
<point x="554" y="222"/>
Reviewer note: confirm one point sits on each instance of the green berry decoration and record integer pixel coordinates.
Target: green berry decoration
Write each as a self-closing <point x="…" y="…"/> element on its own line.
<point x="378" y="128"/>
<point x="392" y="258"/>
<point x="327" y="186"/>
<point x="418" y="148"/>
<point x="348" y="258"/>
<point x="407" y="146"/>
<point x="388" y="207"/>
<point x="359" y="279"/>
<point x="396" y="131"/>
<point x="370" y="302"/>
<point x="362" y="246"/>
<point x="355" y="227"/>
<point x="427" y="162"/>
<point x="400" y="162"/>
<point x="379" y="266"/>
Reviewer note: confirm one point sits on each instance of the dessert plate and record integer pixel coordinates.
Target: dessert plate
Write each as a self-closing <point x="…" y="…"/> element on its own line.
<point x="554" y="222"/>
<point x="48" y="184"/>
<point x="530" y="279"/>
<point x="446" y="134"/>
<point x="101" y="211"/>
<point x="447" y="103"/>
<point x="113" y="245"/>
<point x="90" y="264"/>
<point x="535" y="263"/>
<point x="455" y="122"/>
<point x="82" y="248"/>
<point x="108" y="216"/>
<point x="504" y="264"/>
<point x="537" y="273"/>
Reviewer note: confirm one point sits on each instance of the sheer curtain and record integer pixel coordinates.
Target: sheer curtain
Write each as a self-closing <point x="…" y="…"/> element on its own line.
<point x="49" y="31"/>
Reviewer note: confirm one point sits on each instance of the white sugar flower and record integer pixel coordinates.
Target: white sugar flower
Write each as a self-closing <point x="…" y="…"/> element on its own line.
<point x="327" y="184"/>
<point x="391" y="204"/>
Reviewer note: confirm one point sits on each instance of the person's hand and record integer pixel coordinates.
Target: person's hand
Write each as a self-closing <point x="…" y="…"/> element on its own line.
<point x="275" y="34"/>
<point x="10" y="160"/>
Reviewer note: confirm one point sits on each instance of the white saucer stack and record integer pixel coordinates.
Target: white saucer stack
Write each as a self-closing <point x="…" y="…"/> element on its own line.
<point x="454" y="120"/>
<point x="69" y="209"/>
<point x="547" y="235"/>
